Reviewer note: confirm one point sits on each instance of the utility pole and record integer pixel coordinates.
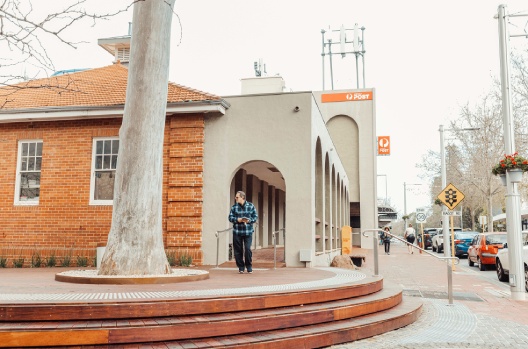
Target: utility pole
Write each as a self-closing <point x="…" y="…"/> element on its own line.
<point x="513" y="203"/>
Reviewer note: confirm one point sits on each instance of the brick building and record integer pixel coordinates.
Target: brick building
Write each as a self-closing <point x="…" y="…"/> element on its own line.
<point x="307" y="160"/>
<point x="58" y="152"/>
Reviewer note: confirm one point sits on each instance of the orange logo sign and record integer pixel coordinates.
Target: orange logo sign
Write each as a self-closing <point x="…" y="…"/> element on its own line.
<point x="383" y="145"/>
<point x="346" y="97"/>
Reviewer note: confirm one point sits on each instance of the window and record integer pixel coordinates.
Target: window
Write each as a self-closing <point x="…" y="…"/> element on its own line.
<point x="104" y="164"/>
<point x="29" y="164"/>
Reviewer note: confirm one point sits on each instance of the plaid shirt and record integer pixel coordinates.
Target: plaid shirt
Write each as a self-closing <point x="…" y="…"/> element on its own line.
<point x="238" y="211"/>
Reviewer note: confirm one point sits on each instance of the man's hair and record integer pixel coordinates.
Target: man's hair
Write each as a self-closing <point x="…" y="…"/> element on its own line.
<point x="241" y="193"/>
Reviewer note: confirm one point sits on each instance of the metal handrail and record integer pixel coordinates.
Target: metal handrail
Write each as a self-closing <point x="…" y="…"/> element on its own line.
<point x="217" y="234"/>
<point x="275" y="246"/>
<point x="454" y="260"/>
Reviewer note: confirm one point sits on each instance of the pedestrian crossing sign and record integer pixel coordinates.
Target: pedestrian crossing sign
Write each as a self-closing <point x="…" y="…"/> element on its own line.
<point x="451" y="196"/>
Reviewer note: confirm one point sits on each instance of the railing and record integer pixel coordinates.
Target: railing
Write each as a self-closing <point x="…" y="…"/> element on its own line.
<point x="454" y="260"/>
<point x="275" y="245"/>
<point x="217" y="234"/>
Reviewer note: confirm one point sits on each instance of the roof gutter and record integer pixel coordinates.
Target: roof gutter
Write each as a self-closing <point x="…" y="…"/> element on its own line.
<point x="98" y="112"/>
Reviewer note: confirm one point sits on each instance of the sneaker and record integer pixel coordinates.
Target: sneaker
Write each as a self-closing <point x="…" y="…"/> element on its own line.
<point x="241" y="272"/>
<point x="250" y="272"/>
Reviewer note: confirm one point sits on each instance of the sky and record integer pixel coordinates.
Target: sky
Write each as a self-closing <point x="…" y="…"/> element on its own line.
<point x="425" y="60"/>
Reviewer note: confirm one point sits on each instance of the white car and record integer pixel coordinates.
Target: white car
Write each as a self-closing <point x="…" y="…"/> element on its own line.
<point x="438" y="240"/>
<point x="503" y="263"/>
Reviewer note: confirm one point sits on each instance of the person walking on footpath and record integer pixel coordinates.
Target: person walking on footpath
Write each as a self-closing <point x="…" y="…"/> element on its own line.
<point x="410" y="236"/>
<point x="386" y="240"/>
<point x="243" y="215"/>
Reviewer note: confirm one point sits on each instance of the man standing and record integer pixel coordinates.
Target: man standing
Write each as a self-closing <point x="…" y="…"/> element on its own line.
<point x="243" y="215"/>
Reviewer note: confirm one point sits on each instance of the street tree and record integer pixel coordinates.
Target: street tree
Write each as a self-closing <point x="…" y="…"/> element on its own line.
<point x="26" y="32"/>
<point x="478" y="151"/>
<point x="135" y="243"/>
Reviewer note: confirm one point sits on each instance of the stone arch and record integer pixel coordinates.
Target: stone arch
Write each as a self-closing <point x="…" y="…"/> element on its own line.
<point x="265" y="187"/>
<point x="345" y="135"/>
<point x="319" y="197"/>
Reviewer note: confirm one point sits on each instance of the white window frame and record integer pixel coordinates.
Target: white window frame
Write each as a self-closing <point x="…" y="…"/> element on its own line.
<point x="19" y="172"/>
<point x="93" y="172"/>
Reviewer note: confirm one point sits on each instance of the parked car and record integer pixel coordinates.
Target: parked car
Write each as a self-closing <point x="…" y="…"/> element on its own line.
<point x="503" y="264"/>
<point x="462" y="241"/>
<point x="438" y="239"/>
<point x="428" y="236"/>
<point x="484" y="249"/>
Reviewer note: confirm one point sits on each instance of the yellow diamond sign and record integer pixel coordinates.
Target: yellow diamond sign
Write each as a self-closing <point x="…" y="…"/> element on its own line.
<point x="451" y="196"/>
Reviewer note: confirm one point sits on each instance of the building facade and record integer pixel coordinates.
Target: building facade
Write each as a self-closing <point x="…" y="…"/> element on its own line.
<point x="306" y="160"/>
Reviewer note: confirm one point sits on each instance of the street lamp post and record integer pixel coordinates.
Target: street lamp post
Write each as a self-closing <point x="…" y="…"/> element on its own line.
<point x="384" y="175"/>
<point x="445" y="218"/>
<point x="405" y="202"/>
<point x="513" y="205"/>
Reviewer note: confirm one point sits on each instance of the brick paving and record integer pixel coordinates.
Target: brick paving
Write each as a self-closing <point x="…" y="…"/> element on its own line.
<point x="482" y="314"/>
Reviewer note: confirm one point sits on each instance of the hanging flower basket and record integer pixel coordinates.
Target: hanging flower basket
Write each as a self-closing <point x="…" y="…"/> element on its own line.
<point x="503" y="179"/>
<point x="515" y="164"/>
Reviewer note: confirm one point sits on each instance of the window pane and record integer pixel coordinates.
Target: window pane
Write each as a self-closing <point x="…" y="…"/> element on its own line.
<point x="39" y="149"/>
<point x="115" y="146"/>
<point x="32" y="149"/>
<point x="23" y="165"/>
<point x="31" y="163"/>
<point x="24" y="149"/>
<point x="29" y="186"/>
<point x="38" y="163"/>
<point x="98" y="162"/>
<point x="104" y="185"/>
<point x="107" y="147"/>
<point x="114" y="162"/>
<point x="99" y="147"/>
<point x="106" y="162"/>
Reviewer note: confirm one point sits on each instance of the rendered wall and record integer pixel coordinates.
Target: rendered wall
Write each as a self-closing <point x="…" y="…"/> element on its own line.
<point x="265" y="128"/>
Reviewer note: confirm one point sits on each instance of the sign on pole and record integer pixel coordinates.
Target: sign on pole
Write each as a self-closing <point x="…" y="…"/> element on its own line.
<point x="451" y="196"/>
<point x="421" y="217"/>
<point x="383" y="145"/>
<point x="452" y="213"/>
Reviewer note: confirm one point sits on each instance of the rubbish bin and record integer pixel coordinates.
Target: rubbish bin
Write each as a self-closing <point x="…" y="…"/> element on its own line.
<point x="101" y="248"/>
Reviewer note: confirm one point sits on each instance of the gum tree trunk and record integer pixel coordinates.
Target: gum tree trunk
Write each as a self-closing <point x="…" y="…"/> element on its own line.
<point x="135" y="242"/>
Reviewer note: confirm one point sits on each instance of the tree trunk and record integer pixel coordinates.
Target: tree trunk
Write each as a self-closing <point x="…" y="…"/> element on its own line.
<point x="135" y="242"/>
<point x="490" y="214"/>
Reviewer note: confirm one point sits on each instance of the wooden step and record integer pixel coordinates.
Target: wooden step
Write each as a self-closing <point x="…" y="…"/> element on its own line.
<point x="310" y="336"/>
<point x="54" y="333"/>
<point x="313" y="336"/>
<point x="114" y="310"/>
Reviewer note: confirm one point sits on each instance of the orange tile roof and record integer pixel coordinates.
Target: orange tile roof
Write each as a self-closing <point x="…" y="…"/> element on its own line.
<point x="98" y="87"/>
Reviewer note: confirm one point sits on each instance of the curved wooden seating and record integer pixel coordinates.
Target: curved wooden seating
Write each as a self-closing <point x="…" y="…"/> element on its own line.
<point x="298" y="318"/>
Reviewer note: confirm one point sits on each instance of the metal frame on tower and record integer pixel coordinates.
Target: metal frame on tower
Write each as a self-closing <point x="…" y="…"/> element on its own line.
<point x="356" y="46"/>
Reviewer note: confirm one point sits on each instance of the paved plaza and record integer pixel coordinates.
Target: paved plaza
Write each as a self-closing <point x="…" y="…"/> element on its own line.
<point x="482" y="314"/>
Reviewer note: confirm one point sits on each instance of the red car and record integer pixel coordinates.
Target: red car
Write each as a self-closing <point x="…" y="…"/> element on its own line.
<point x="484" y="248"/>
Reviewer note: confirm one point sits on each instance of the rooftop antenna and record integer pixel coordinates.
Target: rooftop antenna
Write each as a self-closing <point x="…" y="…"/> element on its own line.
<point x="355" y="45"/>
<point x="260" y="67"/>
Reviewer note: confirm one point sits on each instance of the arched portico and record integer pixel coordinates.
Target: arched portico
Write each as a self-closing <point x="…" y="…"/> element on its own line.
<point x="265" y="187"/>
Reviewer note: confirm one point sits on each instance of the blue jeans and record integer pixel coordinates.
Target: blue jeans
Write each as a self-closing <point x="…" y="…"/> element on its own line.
<point x="242" y="251"/>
